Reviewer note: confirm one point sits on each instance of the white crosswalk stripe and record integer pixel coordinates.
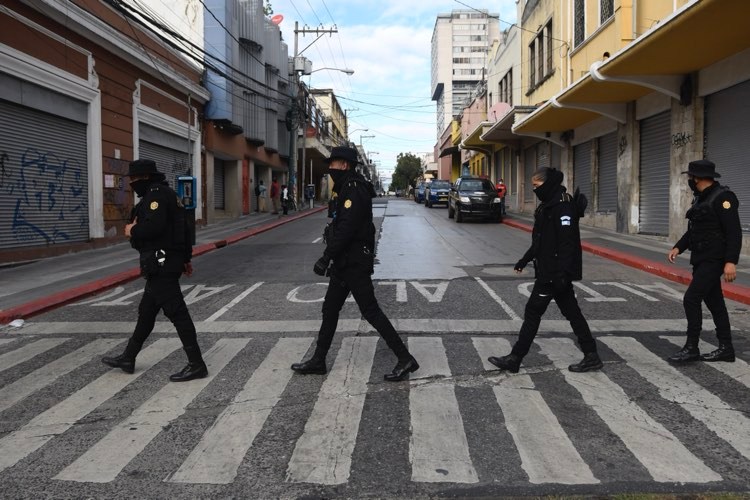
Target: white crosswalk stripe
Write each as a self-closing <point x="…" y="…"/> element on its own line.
<point x="25" y="353"/>
<point x="727" y="423"/>
<point x="58" y="419"/>
<point x="665" y="458"/>
<point x="547" y="454"/>
<point x="22" y="388"/>
<point x="220" y="452"/>
<point x="324" y="453"/>
<point x="438" y="449"/>
<point x="100" y="465"/>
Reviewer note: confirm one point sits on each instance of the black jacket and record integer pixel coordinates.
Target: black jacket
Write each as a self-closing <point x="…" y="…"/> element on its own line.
<point x="352" y="233"/>
<point x="556" y="240"/>
<point x="714" y="232"/>
<point x="161" y="226"/>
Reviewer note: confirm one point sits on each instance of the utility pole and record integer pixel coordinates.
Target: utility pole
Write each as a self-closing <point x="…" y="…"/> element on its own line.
<point x="298" y="67"/>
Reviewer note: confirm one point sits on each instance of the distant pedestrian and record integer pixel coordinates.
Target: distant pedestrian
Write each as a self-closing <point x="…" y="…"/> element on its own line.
<point x="257" y="195"/>
<point x="261" y="196"/>
<point x="714" y="238"/>
<point x="158" y="231"/>
<point x="275" y="195"/>
<point x="349" y="259"/>
<point x="285" y="199"/>
<point x="557" y="255"/>
<point x="501" y="190"/>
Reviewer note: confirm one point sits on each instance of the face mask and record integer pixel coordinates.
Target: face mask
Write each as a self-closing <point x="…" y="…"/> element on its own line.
<point x="336" y="175"/>
<point x="544" y="192"/>
<point x="140" y="187"/>
<point x="693" y="187"/>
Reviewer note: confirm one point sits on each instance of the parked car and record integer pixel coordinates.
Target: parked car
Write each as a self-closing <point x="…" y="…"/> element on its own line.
<point x="419" y="192"/>
<point x="474" y="197"/>
<point x="436" y="192"/>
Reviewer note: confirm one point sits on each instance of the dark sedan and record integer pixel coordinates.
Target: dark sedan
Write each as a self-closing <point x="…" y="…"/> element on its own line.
<point x="437" y="193"/>
<point x="474" y="197"/>
<point x="419" y="192"/>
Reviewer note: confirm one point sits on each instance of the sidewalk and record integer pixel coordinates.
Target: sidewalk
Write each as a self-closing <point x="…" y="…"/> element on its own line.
<point x="33" y="288"/>
<point x="36" y="287"/>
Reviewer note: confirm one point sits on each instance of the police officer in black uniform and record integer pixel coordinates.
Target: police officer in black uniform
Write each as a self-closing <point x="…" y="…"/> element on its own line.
<point x="159" y="232"/>
<point x="714" y="238"/>
<point x="349" y="259"/>
<point x="556" y="252"/>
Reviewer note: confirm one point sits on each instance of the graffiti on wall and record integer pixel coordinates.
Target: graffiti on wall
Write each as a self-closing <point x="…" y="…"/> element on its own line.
<point x="48" y="195"/>
<point x="681" y="140"/>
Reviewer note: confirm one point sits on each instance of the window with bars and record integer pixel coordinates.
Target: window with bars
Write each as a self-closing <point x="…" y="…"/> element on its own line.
<point x="532" y="66"/>
<point x="606" y="10"/>
<point x="579" y="22"/>
<point x="549" y="47"/>
<point x="505" y="93"/>
<point x="540" y="57"/>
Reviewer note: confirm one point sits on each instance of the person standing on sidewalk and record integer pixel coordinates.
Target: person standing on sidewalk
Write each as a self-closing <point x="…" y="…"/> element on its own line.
<point x="285" y="199"/>
<point x="350" y="245"/>
<point x="501" y="190"/>
<point x="557" y="255"/>
<point x="159" y="232"/>
<point x="714" y="238"/>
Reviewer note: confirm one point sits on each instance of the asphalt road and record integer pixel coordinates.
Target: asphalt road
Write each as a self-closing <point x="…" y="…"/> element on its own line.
<point x="71" y="427"/>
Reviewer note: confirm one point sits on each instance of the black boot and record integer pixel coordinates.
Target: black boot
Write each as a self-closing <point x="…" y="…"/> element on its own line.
<point x="687" y="354"/>
<point x="725" y="352"/>
<point x="402" y="369"/>
<point x="126" y="360"/>
<point x="196" y="367"/>
<point x="511" y="362"/>
<point x="313" y="366"/>
<point x="123" y="361"/>
<point x="589" y="363"/>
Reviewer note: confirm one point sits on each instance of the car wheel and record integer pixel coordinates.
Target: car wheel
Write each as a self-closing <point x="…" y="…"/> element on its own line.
<point x="450" y="211"/>
<point x="459" y="216"/>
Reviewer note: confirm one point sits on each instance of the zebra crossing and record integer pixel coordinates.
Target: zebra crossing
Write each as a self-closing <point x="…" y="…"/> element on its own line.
<point x="325" y="450"/>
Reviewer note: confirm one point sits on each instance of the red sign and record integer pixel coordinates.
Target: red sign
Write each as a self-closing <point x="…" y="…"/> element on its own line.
<point x="277" y="19"/>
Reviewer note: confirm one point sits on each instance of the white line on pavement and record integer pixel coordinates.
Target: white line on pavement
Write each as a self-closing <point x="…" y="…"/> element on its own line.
<point x="234" y="302"/>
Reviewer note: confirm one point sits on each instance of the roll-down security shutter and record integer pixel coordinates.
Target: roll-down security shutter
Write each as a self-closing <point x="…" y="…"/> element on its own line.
<point x="607" y="182"/>
<point x="44" y="194"/>
<point x="654" y="175"/>
<point x="727" y="145"/>
<point x="219" y="184"/>
<point x="529" y="166"/>
<point x="167" y="150"/>
<point x="582" y="168"/>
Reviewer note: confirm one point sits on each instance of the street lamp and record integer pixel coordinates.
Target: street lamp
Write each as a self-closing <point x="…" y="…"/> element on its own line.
<point x="348" y="71"/>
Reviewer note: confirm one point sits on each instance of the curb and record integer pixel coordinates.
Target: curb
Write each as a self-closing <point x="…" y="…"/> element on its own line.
<point x="58" y="299"/>
<point x="738" y="293"/>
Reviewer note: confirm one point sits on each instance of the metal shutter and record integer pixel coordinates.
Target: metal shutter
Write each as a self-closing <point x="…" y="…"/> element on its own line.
<point x="582" y="168"/>
<point x="654" y="175"/>
<point x="219" y="184"/>
<point x="607" y="182"/>
<point x="727" y="132"/>
<point x="529" y="166"/>
<point x="44" y="194"/>
<point x="555" y="155"/>
<point x="543" y="155"/>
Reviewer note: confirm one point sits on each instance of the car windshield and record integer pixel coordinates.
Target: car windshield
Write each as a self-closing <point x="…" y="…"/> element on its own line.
<point x="475" y="185"/>
<point x="440" y="185"/>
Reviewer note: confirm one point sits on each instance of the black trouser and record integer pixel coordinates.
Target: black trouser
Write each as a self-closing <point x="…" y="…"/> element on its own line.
<point x="162" y="292"/>
<point x="706" y="287"/>
<point x="541" y="295"/>
<point x="356" y="279"/>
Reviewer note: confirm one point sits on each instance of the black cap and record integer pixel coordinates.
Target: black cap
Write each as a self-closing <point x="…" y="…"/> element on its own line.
<point x="703" y="169"/>
<point x="343" y="153"/>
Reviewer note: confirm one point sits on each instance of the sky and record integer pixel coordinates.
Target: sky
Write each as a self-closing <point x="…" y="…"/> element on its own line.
<point x="387" y="44"/>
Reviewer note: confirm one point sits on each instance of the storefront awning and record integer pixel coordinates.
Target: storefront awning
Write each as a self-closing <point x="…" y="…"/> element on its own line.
<point x="500" y="132"/>
<point x="449" y="151"/>
<point x="473" y="140"/>
<point x="659" y="60"/>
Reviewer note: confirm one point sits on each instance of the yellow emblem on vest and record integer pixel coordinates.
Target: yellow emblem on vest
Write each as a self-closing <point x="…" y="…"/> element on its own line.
<point x="348" y="204"/>
<point x="726" y="205"/>
<point x="154" y="205"/>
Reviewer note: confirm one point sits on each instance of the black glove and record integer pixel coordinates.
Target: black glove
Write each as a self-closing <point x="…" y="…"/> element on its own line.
<point x="560" y="283"/>
<point x="519" y="266"/>
<point x="321" y="266"/>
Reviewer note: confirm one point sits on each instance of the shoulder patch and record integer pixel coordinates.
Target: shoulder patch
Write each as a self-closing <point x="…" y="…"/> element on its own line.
<point x="348" y="204"/>
<point x="726" y="205"/>
<point x="565" y="220"/>
<point x="154" y="205"/>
